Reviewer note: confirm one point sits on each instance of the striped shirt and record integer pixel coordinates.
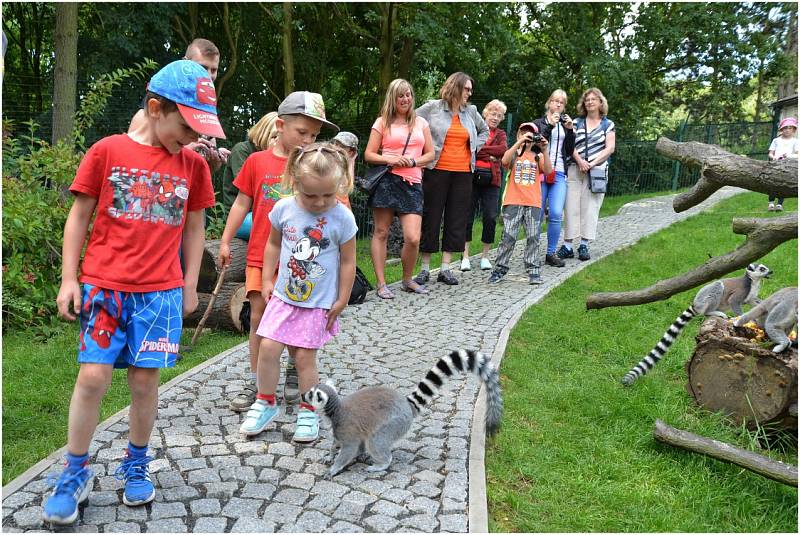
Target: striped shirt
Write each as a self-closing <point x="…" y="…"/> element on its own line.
<point x="597" y="139"/>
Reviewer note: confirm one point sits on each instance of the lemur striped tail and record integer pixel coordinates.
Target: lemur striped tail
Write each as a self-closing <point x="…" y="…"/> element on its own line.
<point x="459" y="362"/>
<point x="661" y="348"/>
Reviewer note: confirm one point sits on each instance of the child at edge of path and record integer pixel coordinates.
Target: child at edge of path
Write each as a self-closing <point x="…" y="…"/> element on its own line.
<point x="147" y="193"/>
<point x="783" y="146"/>
<point x="312" y="240"/>
<point x="527" y="160"/>
<point x="301" y="115"/>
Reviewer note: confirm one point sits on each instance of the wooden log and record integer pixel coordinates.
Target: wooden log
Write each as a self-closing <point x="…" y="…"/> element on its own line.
<point x="209" y="270"/>
<point x="741" y="377"/>
<point x="764" y="466"/>
<point x="225" y="311"/>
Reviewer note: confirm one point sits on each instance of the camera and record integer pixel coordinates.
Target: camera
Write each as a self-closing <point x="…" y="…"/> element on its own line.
<point x="537" y="138"/>
<point x="563" y="118"/>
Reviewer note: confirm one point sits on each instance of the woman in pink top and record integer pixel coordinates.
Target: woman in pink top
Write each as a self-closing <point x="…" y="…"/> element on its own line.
<point x="400" y="190"/>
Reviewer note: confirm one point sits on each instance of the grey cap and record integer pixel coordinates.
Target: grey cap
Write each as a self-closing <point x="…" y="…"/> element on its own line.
<point x="305" y="103"/>
<point x="348" y="139"/>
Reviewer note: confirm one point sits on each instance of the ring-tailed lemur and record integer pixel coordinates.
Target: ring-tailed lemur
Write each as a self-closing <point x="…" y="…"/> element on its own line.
<point x="374" y="418"/>
<point x="777" y="315"/>
<point x="712" y="300"/>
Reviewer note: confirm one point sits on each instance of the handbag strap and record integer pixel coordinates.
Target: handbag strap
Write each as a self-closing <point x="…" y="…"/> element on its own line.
<point x="407" y="140"/>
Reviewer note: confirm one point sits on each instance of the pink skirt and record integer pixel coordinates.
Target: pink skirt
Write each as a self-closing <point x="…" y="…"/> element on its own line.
<point x="296" y="326"/>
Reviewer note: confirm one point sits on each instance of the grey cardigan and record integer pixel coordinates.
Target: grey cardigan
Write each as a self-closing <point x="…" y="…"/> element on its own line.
<point x="439" y="117"/>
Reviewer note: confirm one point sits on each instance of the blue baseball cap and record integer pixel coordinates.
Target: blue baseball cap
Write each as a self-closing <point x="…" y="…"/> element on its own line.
<point x="189" y="85"/>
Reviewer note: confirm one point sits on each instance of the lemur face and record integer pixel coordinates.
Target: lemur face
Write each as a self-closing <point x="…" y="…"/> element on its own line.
<point x="759" y="271"/>
<point x="318" y="396"/>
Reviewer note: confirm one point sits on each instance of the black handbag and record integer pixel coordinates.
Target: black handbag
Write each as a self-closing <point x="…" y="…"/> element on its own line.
<point x="482" y="176"/>
<point x="375" y="174"/>
<point x="360" y="288"/>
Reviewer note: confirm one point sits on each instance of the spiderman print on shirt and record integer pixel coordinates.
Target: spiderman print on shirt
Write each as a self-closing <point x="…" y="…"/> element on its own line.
<point x="148" y="196"/>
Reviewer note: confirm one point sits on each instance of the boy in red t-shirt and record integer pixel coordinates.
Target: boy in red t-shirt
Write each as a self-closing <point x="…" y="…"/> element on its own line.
<point x="527" y="159"/>
<point x="301" y="115"/>
<point x="147" y="193"/>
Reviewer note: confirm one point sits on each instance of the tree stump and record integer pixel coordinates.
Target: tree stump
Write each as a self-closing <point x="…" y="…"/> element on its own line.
<point x="732" y="372"/>
<point x="209" y="270"/>
<point x="225" y="312"/>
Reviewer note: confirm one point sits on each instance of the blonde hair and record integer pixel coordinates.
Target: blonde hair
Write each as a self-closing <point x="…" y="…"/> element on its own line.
<point x="599" y="95"/>
<point x="264" y="131"/>
<point x="453" y="88"/>
<point x="494" y="104"/>
<point x="558" y="93"/>
<point x="322" y="160"/>
<point x="397" y="87"/>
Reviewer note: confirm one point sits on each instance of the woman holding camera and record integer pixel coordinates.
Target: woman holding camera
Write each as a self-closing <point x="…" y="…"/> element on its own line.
<point x="458" y="132"/>
<point x="486" y="185"/>
<point x="587" y="174"/>
<point x="557" y="127"/>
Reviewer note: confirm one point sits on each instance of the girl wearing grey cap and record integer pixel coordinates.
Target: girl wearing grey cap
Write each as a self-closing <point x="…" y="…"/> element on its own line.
<point x="400" y="190"/>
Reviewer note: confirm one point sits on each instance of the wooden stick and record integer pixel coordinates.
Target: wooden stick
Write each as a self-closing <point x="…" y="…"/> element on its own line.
<point x="211" y="301"/>
<point x="764" y="466"/>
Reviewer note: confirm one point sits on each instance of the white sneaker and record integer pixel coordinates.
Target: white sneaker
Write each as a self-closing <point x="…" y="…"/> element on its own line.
<point x="771" y="207"/>
<point x="465" y="265"/>
<point x="485" y="264"/>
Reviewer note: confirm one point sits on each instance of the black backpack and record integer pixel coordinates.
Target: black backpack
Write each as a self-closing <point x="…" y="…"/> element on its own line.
<point x="360" y="288"/>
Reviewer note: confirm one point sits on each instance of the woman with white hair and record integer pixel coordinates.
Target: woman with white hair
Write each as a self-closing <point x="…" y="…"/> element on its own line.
<point x="486" y="184"/>
<point x="587" y="175"/>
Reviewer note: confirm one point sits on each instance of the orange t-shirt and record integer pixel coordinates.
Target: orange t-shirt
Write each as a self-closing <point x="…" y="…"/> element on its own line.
<point x="455" y="154"/>
<point x="524" y="186"/>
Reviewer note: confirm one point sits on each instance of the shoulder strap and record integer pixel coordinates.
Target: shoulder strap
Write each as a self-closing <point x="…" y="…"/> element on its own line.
<point x="410" y="129"/>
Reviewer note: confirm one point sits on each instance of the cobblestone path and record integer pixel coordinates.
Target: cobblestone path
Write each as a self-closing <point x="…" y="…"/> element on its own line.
<point x="211" y="479"/>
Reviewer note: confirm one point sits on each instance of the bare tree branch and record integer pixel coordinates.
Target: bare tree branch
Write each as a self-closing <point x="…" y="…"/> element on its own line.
<point x="722" y="168"/>
<point x="763" y="235"/>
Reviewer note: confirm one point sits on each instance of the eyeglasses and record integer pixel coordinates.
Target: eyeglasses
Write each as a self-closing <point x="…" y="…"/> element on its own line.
<point x="468" y="90"/>
<point x="495" y="114"/>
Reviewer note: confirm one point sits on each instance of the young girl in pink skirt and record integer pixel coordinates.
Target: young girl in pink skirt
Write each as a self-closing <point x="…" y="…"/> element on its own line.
<point x="313" y="242"/>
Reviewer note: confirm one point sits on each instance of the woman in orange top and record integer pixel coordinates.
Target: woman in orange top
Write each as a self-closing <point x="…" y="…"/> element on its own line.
<point x="458" y="132"/>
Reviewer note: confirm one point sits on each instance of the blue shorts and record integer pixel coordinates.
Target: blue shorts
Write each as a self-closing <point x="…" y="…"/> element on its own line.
<point x="141" y="329"/>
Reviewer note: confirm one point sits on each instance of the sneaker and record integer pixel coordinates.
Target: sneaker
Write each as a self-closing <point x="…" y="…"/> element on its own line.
<point x="423" y="277"/>
<point x="771" y="207"/>
<point x="535" y="278"/>
<point x="779" y="208"/>
<point x="307" y="427"/>
<point x="583" y="252"/>
<point x="552" y="259"/>
<point x="465" y="265"/>
<point x="245" y="398"/>
<point x="139" y="488"/>
<point x="258" y="417"/>
<point x="71" y="488"/>
<point x="496" y="276"/>
<point x="563" y="252"/>
<point x="291" y="390"/>
<point x="485" y="264"/>
<point x="446" y="277"/>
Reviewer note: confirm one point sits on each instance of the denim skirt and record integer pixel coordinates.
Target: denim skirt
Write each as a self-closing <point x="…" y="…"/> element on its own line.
<point x="396" y="194"/>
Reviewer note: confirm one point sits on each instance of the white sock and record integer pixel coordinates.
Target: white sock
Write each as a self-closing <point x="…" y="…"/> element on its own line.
<point x="568" y="245"/>
<point x="426" y="266"/>
<point x="253" y="376"/>
<point x="584" y="242"/>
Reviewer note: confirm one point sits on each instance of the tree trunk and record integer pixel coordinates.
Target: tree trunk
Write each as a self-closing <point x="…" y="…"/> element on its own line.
<point x="386" y="46"/>
<point x="722" y="168"/>
<point x="225" y="312"/>
<point x="232" y="34"/>
<point x="65" y="76"/>
<point x="209" y="270"/>
<point x="288" y="56"/>
<point x="764" y="466"/>
<point x="730" y="371"/>
<point x="763" y="235"/>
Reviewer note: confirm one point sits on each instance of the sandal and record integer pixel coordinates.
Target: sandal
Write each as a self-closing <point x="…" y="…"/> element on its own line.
<point x="384" y="292"/>
<point x="414" y="287"/>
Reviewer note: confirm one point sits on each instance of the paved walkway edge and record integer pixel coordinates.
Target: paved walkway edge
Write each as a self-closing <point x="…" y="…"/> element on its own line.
<point x="478" y="514"/>
<point x="33" y="472"/>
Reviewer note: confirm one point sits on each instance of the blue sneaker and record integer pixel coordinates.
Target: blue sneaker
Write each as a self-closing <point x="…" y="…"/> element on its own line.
<point x="139" y="488"/>
<point x="496" y="276"/>
<point x="70" y="489"/>
<point x="535" y="278"/>
<point x="307" y="427"/>
<point x="258" y="417"/>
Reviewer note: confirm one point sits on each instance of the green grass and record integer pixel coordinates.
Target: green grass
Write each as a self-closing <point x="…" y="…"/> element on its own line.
<point x="576" y="452"/>
<point x="38" y="377"/>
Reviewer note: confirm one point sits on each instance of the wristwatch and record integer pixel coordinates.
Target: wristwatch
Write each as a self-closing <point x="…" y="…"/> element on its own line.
<point x="413" y="162"/>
